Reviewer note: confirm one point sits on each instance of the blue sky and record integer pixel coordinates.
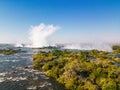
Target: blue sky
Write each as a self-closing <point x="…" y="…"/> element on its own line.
<point x="80" y="20"/>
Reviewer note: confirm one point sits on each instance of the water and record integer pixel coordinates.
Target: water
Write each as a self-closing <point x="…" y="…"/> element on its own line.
<point x="17" y="73"/>
<point x="118" y="55"/>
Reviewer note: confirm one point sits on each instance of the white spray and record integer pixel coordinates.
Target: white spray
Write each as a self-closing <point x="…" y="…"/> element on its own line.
<point x="90" y="46"/>
<point x="39" y="34"/>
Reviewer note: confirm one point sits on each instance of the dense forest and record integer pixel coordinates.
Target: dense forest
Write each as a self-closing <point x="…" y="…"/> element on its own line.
<point x="81" y="70"/>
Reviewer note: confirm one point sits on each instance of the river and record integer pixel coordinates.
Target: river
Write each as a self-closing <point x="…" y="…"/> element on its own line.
<point x="17" y="73"/>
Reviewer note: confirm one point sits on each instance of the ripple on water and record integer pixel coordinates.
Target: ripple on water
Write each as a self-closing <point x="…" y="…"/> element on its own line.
<point x="2" y="79"/>
<point x="9" y="61"/>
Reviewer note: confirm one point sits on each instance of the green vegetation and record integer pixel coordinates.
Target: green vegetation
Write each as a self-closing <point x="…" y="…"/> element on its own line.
<point x="10" y="51"/>
<point x="116" y="49"/>
<point x="49" y="47"/>
<point x="82" y="70"/>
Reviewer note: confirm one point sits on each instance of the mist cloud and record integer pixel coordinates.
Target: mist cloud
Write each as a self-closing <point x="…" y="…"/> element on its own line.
<point x="39" y="35"/>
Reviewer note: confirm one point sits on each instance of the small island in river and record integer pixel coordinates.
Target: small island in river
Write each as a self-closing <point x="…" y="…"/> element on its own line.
<point x="81" y="70"/>
<point x="10" y="51"/>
